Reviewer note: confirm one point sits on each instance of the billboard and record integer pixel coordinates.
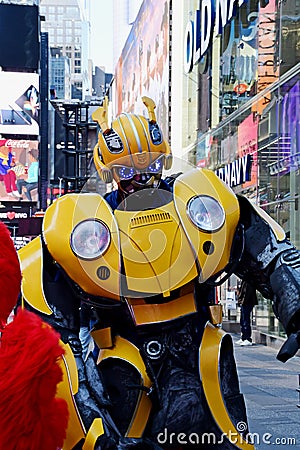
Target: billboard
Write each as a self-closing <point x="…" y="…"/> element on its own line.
<point x="268" y="53"/>
<point x="143" y="68"/>
<point x="288" y="144"/>
<point x="18" y="168"/>
<point x="247" y="145"/>
<point x="19" y="103"/>
<point x="19" y="45"/>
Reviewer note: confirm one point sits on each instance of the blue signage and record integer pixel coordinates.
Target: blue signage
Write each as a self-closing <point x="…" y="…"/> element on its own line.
<point x="237" y="172"/>
<point x="210" y="19"/>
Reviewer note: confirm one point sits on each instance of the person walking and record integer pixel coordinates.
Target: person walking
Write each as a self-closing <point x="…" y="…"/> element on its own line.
<point x="247" y="299"/>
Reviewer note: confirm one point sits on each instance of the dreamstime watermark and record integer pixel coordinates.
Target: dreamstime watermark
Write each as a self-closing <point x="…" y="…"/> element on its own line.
<point x="234" y="437"/>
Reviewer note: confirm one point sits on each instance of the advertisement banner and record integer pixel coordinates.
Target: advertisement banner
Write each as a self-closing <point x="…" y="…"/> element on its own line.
<point x="19" y="25"/>
<point x="268" y="54"/>
<point x="18" y="170"/>
<point x="247" y="145"/>
<point x="288" y="146"/>
<point x="19" y="103"/>
<point x="143" y="68"/>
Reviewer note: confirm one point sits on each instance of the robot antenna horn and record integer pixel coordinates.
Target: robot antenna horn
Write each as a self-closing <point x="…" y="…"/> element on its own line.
<point x="150" y="105"/>
<point x="100" y="116"/>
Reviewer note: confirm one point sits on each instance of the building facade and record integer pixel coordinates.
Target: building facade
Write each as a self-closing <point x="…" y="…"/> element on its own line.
<point x="67" y="25"/>
<point x="247" y="72"/>
<point x="59" y="75"/>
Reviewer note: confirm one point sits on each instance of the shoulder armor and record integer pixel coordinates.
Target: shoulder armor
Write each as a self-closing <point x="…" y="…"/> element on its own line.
<point x="31" y="261"/>
<point x="213" y="247"/>
<point x="98" y="273"/>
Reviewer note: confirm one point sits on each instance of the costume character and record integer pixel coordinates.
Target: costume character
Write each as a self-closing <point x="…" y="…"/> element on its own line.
<point x="31" y="417"/>
<point x="147" y="257"/>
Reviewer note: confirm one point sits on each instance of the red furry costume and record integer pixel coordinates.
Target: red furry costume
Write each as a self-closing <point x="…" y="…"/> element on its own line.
<point x="31" y="418"/>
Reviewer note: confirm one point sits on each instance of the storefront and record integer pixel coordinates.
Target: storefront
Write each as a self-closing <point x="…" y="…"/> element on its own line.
<point x="249" y="112"/>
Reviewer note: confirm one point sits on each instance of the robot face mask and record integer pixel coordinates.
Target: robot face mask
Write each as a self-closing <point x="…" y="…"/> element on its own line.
<point x="132" y="151"/>
<point x="139" y="171"/>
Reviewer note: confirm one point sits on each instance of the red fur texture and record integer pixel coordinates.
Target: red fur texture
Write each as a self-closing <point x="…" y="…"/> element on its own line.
<point x="10" y="274"/>
<point x="31" y="418"/>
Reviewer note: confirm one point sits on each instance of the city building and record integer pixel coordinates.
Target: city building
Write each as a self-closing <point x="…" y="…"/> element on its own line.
<point x="247" y="68"/>
<point x="59" y="74"/>
<point x="68" y="28"/>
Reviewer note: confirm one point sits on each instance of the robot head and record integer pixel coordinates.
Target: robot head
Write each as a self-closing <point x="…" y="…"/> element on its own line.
<point x="132" y="151"/>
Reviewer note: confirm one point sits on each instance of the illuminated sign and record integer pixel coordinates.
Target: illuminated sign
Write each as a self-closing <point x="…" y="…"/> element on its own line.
<point x="11" y="215"/>
<point x="143" y="67"/>
<point x="19" y="103"/>
<point x="212" y="17"/>
<point x="237" y="172"/>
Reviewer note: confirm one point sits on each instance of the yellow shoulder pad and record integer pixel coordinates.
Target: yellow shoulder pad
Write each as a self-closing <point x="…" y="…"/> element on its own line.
<point x="31" y="261"/>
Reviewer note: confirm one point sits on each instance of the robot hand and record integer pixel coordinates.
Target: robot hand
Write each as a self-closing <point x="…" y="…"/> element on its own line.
<point x="290" y="347"/>
<point x="285" y="282"/>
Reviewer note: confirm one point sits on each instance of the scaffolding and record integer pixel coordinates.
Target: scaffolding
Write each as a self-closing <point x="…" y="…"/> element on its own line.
<point x="80" y="138"/>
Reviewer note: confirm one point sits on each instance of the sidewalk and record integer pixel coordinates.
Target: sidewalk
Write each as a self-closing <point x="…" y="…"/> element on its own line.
<point x="269" y="387"/>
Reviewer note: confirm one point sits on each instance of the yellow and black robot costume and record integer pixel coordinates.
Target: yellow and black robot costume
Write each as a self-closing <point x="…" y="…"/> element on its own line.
<point x="147" y="257"/>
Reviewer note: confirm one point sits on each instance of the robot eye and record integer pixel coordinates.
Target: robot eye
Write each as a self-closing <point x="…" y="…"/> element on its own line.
<point x="124" y="172"/>
<point x="156" y="166"/>
<point x="155" y="133"/>
<point x="90" y="239"/>
<point x="206" y="213"/>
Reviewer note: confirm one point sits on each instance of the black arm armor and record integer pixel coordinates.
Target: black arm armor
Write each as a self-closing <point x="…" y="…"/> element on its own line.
<point x="91" y="399"/>
<point x="272" y="265"/>
<point x="64" y="301"/>
<point x="285" y="282"/>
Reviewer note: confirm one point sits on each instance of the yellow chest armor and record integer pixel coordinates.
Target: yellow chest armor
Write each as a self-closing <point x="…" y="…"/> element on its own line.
<point x="155" y="251"/>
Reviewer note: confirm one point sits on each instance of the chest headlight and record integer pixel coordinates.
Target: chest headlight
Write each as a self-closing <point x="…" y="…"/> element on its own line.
<point x="206" y="213"/>
<point x="90" y="239"/>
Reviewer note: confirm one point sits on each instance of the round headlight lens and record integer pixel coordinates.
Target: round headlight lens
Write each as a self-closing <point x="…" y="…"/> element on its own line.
<point x="90" y="239"/>
<point x="206" y="213"/>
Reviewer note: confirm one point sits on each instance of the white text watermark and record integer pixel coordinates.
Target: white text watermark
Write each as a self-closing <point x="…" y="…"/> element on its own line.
<point x="234" y="437"/>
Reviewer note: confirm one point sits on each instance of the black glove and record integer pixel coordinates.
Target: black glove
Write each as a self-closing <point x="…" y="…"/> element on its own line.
<point x="290" y="347"/>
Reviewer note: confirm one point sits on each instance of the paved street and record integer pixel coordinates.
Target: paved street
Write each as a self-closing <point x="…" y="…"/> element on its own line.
<point x="269" y="387"/>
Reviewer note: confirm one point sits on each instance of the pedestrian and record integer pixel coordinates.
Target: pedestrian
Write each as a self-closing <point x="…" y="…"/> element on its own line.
<point x="247" y="299"/>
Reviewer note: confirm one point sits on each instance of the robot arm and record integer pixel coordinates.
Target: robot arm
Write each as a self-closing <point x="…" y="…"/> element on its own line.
<point x="272" y="264"/>
<point x="58" y="304"/>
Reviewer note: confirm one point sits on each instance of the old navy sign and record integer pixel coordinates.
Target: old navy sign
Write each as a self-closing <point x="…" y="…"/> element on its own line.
<point x="212" y="15"/>
<point x="237" y="172"/>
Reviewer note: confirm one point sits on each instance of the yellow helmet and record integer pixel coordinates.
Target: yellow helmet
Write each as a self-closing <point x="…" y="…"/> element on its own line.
<point x="132" y="141"/>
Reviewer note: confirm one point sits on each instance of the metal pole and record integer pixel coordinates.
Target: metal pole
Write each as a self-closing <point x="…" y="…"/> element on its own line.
<point x="43" y="153"/>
